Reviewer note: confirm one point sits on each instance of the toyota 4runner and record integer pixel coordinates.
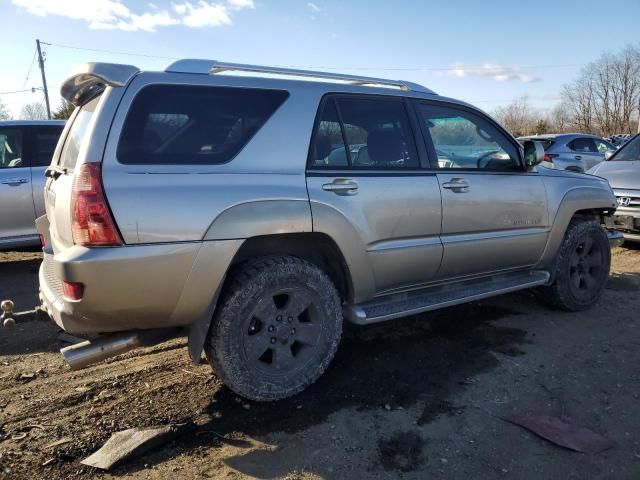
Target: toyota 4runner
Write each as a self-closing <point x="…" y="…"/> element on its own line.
<point x="261" y="209"/>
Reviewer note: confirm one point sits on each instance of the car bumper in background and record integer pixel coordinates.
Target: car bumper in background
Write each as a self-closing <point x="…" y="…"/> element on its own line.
<point x="134" y="287"/>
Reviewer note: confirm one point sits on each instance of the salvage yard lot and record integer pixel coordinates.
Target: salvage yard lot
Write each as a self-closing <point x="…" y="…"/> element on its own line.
<point x="421" y="397"/>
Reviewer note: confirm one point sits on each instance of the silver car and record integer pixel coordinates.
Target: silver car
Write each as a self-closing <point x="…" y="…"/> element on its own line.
<point x="575" y="152"/>
<point x="622" y="171"/>
<point x="258" y="211"/>
<point x="26" y="148"/>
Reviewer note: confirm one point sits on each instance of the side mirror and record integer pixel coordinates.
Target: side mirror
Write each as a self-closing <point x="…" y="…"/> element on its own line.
<point x="533" y="153"/>
<point x="608" y="154"/>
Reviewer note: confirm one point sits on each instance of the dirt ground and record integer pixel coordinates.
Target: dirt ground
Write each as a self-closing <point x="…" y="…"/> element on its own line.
<point x="416" y="398"/>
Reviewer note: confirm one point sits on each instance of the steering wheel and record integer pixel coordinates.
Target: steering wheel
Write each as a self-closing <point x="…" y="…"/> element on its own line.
<point x="486" y="156"/>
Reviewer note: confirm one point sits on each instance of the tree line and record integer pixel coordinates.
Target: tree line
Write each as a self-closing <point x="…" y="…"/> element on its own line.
<point x="604" y="100"/>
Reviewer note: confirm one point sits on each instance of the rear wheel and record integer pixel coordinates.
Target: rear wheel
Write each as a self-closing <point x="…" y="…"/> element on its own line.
<point x="277" y="328"/>
<point x="582" y="268"/>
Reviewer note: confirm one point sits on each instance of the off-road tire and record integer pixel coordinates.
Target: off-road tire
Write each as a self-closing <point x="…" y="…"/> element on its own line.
<point x="232" y="343"/>
<point x="580" y="275"/>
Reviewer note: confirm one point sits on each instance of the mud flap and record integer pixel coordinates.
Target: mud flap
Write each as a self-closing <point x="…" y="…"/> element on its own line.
<point x="200" y="328"/>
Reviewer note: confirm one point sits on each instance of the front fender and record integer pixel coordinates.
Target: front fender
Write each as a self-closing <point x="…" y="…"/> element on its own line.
<point x="579" y="198"/>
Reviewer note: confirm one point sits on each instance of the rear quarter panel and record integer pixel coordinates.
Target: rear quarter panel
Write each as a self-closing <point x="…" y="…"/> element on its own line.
<point x="173" y="203"/>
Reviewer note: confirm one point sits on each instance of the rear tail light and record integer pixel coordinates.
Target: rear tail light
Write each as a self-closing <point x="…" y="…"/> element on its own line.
<point x="92" y="224"/>
<point x="72" y="290"/>
<point x="548" y="157"/>
<point x="42" y="242"/>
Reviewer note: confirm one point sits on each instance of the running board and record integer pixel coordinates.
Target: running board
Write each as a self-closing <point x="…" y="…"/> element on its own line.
<point x="432" y="298"/>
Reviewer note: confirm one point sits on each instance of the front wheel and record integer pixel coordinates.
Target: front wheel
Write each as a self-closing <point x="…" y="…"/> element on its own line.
<point x="582" y="267"/>
<point x="277" y="328"/>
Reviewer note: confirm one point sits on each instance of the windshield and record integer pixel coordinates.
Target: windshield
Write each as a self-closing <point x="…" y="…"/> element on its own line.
<point x="77" y="135"/>
<point x="629" y="152"/>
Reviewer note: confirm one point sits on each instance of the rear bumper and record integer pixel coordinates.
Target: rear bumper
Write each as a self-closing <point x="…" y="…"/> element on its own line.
<point x="134" y="287"/>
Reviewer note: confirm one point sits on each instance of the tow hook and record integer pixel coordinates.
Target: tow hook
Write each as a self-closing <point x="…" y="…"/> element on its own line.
<point x="7" y="313"/>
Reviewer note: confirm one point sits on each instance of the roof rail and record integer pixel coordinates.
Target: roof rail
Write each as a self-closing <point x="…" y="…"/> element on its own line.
<point x="213" y="67"/>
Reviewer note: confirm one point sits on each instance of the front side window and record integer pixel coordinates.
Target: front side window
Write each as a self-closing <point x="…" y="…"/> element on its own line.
<point x="363" y="133"/>
<point x="629" y="152"/>
<point x="198" y="125"/>
<point x="11" y="148"/>
<point x="465" y="140"/>
<point x="583" y="145"/>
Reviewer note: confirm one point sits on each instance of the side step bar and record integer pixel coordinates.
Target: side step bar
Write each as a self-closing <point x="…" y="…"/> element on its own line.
<point x="432" y="298"/>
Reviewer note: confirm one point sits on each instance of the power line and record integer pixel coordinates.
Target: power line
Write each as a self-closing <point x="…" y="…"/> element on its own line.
<point x="107" y="51"/>
<point x="19" y="91"/>
<point x="33" y="59"/>
<point x="483" y="67"/>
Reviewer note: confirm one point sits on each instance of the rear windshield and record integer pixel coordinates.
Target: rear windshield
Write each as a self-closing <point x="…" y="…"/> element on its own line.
<point x="182" y="124"/>
<point x="629" y="152"/>
<point x="77" y="134"/>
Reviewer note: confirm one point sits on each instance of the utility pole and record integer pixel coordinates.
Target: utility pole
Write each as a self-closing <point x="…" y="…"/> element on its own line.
<point x="44" y="79"/>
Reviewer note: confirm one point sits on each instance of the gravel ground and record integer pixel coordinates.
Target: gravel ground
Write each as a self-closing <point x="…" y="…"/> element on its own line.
<point x="416" y="398"/>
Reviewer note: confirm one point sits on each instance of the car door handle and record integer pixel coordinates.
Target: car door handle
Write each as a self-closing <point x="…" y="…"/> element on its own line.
<point x="457" y="185"/>
<point x="341" y="186"/>
<point x="14" y="181"/>
<point x="578" y="157"/>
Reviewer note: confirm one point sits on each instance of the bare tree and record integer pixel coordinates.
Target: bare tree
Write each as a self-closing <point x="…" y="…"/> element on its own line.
<point x="559" y="118"/>
<point x="518" y="117"/>
<point x="4" y="111"/>
<point x="605" y="98"/>
<point x="33" y="111"/>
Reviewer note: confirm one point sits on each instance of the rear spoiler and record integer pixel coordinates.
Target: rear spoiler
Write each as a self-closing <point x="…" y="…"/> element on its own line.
<point x="94" y="77"/>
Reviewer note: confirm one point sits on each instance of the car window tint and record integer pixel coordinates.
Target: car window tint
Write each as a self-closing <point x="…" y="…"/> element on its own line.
<point x="77" y="135"/>
<point x="378" y="133"/>
<point x="583" y="144"/>
<point x="11" y="148"/>
<point x="464" y="140"/>
<point x="328" y="148"/>
<point x="44" y="144"/>
<point x="182" y="124"/>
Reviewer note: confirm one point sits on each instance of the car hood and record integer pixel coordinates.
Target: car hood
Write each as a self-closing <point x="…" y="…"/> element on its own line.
<point x="621" y="175"/>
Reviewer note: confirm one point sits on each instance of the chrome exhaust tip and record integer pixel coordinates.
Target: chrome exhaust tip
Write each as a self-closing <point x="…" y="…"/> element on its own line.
<point x="81" y="355"/>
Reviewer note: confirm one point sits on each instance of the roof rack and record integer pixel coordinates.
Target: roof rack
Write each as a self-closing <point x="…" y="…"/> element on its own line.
<point x="213" y="67"/>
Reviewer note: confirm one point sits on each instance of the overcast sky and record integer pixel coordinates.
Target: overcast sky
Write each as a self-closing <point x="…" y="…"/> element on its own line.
<point x="484" y="52"/>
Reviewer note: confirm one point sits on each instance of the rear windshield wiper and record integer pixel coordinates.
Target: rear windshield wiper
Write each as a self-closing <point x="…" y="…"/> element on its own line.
<point x="54" y="171"/>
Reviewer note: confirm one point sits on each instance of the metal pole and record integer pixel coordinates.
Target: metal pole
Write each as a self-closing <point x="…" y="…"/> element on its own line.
<point x="44" y="79"/>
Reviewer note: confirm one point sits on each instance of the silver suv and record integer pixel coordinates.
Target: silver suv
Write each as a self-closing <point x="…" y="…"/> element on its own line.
<point x="261" y="209"/>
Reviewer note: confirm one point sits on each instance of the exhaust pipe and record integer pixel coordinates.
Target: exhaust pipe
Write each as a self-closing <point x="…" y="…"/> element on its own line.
<point x="83" y="354"/>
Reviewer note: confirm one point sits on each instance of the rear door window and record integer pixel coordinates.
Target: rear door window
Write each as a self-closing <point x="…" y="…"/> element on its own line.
<point x="44" y="141"/>
<point x="77" y="134"/>
<point x="11" y="154"/>
<point x="363" y="133"/>
<point x="181" y="124"/>
<point x="584" y="145"/>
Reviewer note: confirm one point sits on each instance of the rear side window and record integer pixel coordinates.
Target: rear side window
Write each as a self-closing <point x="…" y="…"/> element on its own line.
<point x="77" y="134"/>
<point x="583" y="144"/>
<point x="44" y="144"/>
<point x="181" y="124"/>
<point x="363" y="133"/>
